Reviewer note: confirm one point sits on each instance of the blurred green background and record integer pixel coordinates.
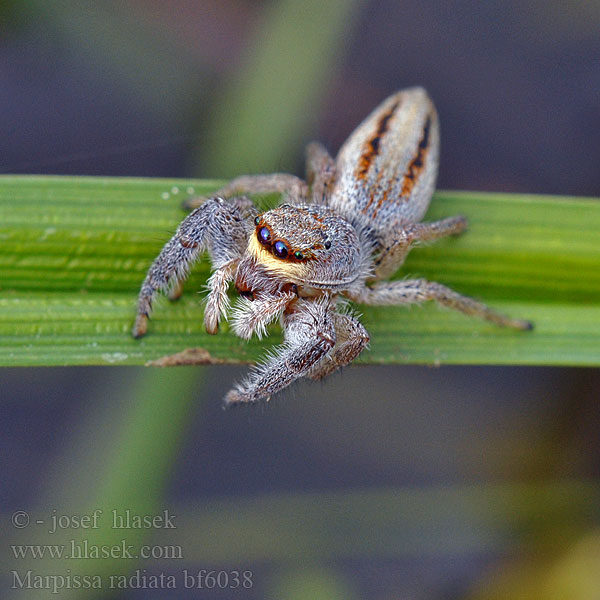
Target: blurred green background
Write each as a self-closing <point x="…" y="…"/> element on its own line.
<point x="382" y="482"/>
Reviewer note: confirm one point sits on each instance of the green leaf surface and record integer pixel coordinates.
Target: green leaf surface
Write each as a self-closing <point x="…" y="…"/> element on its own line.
<point x="74" y="251"/>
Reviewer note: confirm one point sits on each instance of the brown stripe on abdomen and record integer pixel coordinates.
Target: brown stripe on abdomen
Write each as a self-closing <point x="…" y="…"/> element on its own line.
<point x="417" y="164"/>
<point x="371" y="147"/>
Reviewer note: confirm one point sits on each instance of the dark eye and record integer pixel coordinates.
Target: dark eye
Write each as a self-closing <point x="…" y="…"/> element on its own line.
<point x="280" y="249"/>
<point x="256" y="220"/>
<point x="264" y="235"/>
<point x="298" y="255"/>
<point x="327" y="244"/>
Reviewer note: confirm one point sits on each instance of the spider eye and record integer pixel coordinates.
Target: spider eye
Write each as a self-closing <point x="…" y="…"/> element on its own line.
<point x="280" y="249"/>
<point x="256" y="220"/>
<point x="327" y="244"/>
<point x="298" y="255"/>
<point x="264" y="235"/>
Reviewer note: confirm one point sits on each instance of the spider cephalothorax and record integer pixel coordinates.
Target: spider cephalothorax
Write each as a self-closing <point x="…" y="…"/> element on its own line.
<point x="349" y="225"/>
<point x="312" y="246"/>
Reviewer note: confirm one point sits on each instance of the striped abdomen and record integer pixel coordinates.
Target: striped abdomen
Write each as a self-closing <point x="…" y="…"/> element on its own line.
<point x="387" y="168"/>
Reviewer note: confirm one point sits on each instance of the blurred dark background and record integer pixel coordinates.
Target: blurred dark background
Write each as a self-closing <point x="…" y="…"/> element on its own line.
<point x="486" y="480"/>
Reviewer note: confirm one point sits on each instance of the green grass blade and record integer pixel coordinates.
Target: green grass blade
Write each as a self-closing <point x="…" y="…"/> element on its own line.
<point x="74" y="251"/>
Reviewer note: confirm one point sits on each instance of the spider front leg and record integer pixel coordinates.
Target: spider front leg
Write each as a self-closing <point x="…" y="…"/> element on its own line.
<point x="217" y="226"/>
<point x="351" y="339"/>
<point x="411" y="291"/>
<point x="309" y="334"/>
<point x="396" y="249"/>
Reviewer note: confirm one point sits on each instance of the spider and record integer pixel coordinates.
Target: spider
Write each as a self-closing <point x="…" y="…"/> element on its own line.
<point x="337" y="237"/>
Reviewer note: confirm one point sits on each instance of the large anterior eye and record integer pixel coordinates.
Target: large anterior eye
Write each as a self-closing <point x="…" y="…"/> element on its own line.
<point x="264" y="235"/>
<point x="280" y="249"/>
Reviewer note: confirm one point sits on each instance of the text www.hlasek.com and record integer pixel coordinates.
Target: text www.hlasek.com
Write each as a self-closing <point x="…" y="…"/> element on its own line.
<point x="81" y="550"/>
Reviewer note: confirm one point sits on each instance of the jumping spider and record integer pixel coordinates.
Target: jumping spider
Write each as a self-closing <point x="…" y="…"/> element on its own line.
<point x="350" y="225"/>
